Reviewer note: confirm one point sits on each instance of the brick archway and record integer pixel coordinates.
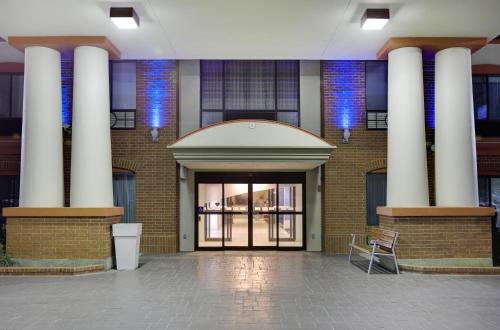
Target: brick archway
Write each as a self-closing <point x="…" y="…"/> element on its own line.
<point x="126" y="164"/>
<point x="375" y="165"/>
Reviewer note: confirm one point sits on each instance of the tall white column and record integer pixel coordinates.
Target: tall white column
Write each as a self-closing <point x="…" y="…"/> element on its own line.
<point x="91" y="167"/>
<point x="455" y="140"/>
<point x="42" y="144"/>
<point x="406" y="146"/>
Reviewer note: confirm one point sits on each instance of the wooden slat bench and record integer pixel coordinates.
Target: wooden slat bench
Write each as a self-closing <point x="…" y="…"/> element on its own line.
<point x="383" y="243"/>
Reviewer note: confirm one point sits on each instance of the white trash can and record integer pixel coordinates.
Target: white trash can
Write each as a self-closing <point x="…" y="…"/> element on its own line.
<point x="127" y="241"/>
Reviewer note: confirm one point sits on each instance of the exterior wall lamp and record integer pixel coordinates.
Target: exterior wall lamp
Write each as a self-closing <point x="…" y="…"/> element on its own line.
<point x="155" y="135"/>
<point x="346" y="135"/>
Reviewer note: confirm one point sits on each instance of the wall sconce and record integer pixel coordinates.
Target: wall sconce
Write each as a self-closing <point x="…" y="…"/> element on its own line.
<point x="346" y="135"/>
<point x="155" y="135"/>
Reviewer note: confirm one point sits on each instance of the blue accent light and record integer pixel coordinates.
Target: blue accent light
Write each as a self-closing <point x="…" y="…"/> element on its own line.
<point x="66" y="103"/>
<point x="156" y="92"/>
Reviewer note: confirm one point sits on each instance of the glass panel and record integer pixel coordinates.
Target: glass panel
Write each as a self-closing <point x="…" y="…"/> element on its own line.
<point x="236" y="229"/>
<point x="484" y="191"/>
<point x="17" y="95"/>
<point x="287" y="85"/>
<point x="376" y="191"/>
<point x="495" y="193"/>
<point x="264" y="230"/>
<point x="210" y="118"/>
<point x="291" y="118"/>
<point x="260" y="85"/>
<point x="209" y="197"/>
<point x="264" y="197"/>
<point x="236" y="197"/>
<point x="4" y="96"/>
<point x="480" y="91"/>
<point x="235" y="85"/>
<point x="290" y="230"/>
<point x="211" y="85"/>
<point x="494" y="98"/>
<point x="290" y="197"/>
<point x="376" y="85"/>
<point x="123" y="87"/>
<point x="210" y="230"/>
<point x="124" y="195"/>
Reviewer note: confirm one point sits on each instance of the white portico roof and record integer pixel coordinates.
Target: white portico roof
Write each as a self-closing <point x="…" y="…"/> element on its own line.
<point x="251" y="145"/>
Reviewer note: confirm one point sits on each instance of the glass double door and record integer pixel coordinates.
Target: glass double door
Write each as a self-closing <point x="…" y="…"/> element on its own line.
<point x="242" y="215"/>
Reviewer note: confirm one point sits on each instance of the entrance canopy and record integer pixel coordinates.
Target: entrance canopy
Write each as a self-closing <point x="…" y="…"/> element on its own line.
<point x="251" y="145"/>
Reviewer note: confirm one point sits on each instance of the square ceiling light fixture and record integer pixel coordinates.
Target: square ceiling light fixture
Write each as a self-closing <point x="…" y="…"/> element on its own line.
<point x="124" y="17"/>
<point x="374" y="19"/>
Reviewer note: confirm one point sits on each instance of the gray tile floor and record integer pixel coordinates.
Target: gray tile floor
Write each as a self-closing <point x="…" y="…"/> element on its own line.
<point x="245" y="290"/>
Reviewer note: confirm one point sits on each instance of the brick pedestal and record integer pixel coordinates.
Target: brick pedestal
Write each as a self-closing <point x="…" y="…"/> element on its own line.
<point x="52" y="237"/>
<point x="434" y="233"/>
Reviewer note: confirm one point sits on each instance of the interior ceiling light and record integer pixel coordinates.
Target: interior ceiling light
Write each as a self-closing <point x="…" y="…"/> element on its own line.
<point x="374" y="19"/>
<point x="124" y="17"/>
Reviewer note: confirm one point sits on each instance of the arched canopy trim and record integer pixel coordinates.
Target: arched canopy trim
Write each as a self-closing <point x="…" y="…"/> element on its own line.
<point x="251" y="145"/>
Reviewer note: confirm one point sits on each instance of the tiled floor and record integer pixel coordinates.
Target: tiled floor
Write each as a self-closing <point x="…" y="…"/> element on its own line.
<point x="249" y="290"/>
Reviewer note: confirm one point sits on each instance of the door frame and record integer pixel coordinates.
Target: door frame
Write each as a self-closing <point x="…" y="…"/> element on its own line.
<point x="250" y="178"/>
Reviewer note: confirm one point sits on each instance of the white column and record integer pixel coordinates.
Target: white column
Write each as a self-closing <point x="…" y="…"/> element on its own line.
<point x="42" y="144"/>
<point x="406" y="146"/>
<point x="91" y="167"/>
<point x="455" y="140"/>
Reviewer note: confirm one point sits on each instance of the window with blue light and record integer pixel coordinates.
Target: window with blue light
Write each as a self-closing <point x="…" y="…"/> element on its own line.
<point x="11" y="103"/>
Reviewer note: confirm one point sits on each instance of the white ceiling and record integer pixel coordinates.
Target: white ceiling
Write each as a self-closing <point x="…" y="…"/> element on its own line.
<point x="247" y="29"/>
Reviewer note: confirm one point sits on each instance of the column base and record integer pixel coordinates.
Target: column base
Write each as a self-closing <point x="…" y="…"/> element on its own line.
<point x="440" y="232"/>
<point x="54" y="237"/>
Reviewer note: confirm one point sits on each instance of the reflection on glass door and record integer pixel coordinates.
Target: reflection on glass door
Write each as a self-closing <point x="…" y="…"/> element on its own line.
<point x="210" y="215"/>
<point x="236" y="214"/>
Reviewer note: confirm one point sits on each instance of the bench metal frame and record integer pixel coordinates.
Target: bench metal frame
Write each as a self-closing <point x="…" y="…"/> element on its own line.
<point x="374" y="244"/>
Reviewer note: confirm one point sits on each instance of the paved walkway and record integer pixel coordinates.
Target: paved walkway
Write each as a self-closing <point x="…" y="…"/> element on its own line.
<point x="265" y="290"/>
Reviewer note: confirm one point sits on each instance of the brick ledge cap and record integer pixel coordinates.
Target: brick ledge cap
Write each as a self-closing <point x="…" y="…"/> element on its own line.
<point x="436" y="211"/>
<point x="62" y="212"/>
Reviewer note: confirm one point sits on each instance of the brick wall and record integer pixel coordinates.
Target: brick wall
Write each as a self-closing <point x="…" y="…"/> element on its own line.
<point x="133" y="150"/>
<point x="154" y="166"/>
<point x="60" y="238"/>
<point x="344" y="207"/>
<point x="441" y="237"/>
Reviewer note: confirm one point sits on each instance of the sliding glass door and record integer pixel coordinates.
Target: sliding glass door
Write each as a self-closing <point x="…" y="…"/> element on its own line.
<point x="250" y="211"/>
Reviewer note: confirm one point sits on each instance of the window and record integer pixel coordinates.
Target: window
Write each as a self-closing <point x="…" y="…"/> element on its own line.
<point x="376" y="94"/>
<point x="249" y="90"/>
<point x="376" y="189"/>
<point x="124" y="194"/>
<point x="486" y="91"/>
<point x="11" y="103"/>
<point x="123" y="95"/>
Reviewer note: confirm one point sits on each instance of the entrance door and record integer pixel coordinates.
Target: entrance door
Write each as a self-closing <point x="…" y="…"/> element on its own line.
<point x="250" y="211"/>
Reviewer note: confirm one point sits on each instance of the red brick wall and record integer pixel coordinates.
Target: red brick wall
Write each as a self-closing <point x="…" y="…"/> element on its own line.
<point x="152" y="163"/>
<point x="343" y="100"/>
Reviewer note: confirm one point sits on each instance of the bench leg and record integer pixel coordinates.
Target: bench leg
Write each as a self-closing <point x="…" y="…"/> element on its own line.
<point x="350" y="251"/>
<point x="396" y="262"/>
<point x="371" y="259"/>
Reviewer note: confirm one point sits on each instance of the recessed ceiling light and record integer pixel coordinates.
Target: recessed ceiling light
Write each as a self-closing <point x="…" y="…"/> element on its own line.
<point x="124" y="17"/>
<point x="374" y="19"/>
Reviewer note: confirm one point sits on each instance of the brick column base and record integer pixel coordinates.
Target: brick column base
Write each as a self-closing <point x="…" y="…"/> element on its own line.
<point x="61" y="236"/>
<point x="440" y="237"/>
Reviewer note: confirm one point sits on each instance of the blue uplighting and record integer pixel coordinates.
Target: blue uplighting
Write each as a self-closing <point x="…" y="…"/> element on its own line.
<point x="66" y="103"/>
<point x="344" y="90"/>
<point x="156" y="92"/>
